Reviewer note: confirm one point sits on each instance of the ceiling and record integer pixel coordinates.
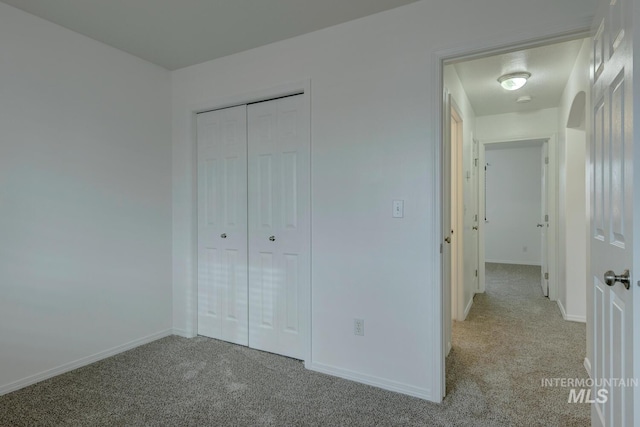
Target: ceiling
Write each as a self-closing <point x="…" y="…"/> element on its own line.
<point x="550" y="67"/>
<point x="178" y="33"/>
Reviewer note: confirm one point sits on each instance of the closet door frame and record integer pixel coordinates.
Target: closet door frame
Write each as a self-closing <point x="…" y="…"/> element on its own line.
<point x="300" y="87"/>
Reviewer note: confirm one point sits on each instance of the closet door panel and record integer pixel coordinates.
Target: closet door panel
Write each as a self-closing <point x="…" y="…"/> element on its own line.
<point x="279" y="227"/>
<point x="222" y="225"/>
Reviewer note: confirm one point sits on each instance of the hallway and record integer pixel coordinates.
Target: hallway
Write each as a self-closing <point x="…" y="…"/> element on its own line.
<point x="514" y="338"/>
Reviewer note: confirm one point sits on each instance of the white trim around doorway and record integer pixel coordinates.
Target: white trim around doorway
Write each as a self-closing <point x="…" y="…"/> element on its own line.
<point x="514" y="40"/>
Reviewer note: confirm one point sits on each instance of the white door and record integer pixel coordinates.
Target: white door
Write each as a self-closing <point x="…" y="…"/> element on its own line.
<point x="482" y="215"/>
<point x="543" y="224"/>
<point x="222" y="224"/>
<point x="612" y="172"/>
<point x="279" y="227"/>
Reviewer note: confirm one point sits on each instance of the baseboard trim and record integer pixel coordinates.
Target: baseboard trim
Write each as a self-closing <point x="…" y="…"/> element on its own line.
<point x="574" y="318"/>
<point x="49" y="373"/>
<point x="183" y="333"/>
<point x="468" y="308"/>
<point x="587" y="366"/>
<point x="371" y="380"/>
<point x="570" y="317"/>
<point x="491" y="261"/>
<point x="562" y="310"/>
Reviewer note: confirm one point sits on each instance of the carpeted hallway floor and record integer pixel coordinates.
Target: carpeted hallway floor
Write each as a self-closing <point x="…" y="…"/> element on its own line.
<point x="512" y="339"/>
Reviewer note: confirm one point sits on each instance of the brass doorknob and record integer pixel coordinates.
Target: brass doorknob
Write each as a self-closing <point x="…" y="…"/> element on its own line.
<point x="447" y="239"/>
<point x="272" y="238"/>
<point x="223" y="235"/>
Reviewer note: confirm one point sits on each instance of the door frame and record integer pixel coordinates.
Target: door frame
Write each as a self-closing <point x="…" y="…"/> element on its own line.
<point x="552" y="241"/>
<point x="300" y="87"/>
<point x="516" y="40"/>
<point x="457" y="217"/>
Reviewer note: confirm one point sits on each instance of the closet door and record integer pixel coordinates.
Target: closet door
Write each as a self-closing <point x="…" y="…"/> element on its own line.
<point x="279" y="226"/>
<point x="222" y="224"/>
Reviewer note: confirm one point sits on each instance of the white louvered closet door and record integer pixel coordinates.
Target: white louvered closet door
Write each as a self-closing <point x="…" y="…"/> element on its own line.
<point x="279" y="228"/>
<point x="222" y="224"/>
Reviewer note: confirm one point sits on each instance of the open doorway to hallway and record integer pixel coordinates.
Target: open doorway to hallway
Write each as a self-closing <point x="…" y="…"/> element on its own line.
<point x="518" y="225"/>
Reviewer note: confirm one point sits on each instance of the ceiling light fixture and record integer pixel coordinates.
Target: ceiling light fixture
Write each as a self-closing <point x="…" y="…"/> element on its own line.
<point x="514" y="81"/>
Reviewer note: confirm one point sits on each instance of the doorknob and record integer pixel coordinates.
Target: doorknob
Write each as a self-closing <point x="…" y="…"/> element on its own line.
<point x="447" y="239"/>
<point x="475" y="227"/>
<point x="272" y="238"/>
<point x="610" y="278"/>
<point x="223" y="235"/>
<point x="540" y="225"/>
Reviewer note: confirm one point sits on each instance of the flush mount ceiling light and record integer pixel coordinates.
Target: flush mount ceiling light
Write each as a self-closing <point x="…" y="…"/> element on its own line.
<point x="514" y="81"/>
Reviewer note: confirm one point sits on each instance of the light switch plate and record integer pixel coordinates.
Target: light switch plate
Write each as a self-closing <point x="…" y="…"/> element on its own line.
<point x="398" y="208"/>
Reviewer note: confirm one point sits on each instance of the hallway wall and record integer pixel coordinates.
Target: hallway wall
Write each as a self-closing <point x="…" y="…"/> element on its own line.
<point x="513" y="204"/>
<point x="459" y="97"/>
<point x="573" y="191"/>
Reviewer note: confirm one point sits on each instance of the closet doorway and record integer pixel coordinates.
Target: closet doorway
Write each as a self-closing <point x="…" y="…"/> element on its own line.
<point x="254" y="259"/>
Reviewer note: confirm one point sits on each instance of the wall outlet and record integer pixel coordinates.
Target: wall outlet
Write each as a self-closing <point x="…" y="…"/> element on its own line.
<point x="358" y="327"/>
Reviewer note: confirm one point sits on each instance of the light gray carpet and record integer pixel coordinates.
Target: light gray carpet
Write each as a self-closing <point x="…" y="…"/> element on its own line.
<point x="513" y="337"/>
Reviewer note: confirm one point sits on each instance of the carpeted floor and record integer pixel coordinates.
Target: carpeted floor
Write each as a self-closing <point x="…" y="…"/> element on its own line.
<point x="512" y="339"/>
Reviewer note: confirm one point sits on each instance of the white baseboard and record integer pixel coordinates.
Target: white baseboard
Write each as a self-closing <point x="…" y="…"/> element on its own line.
<point x="49" y="373"/>
<point x="574" y="318"/>
<point x="183" y="333"/>
<point x="385" y="384"/>
<point x="493" y="261"/>
<point x="570" y="317"/>
<point x="587" y="366"/>
<point x="467" y="309"/>
<point x="562" y="310"/>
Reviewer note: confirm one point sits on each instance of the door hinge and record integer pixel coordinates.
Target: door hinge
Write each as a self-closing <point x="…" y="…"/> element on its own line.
<point x="475" y="218"/>
<point x="546" y="160"/>
<point x="546" y="218"/>
<point x="546" y="276"/>
<point x="475" y="162"/>
<point x="440" y="247"/>
<point x="476" y="273"/>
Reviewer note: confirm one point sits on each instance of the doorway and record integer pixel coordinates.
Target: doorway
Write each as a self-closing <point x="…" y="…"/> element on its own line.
<point x="515" y="193"/>
<point x="531" y="117"/>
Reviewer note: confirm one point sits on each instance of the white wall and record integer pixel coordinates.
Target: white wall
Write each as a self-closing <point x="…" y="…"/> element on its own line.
<point x="459" y="97"/>
<point x="576" y="226"/>
<point x="514" y="204"/>
<point x="572" y="143"/>
<point x="515" y="126"/>
<point x="373" y="141"/>
<point x="85" y="200"/>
